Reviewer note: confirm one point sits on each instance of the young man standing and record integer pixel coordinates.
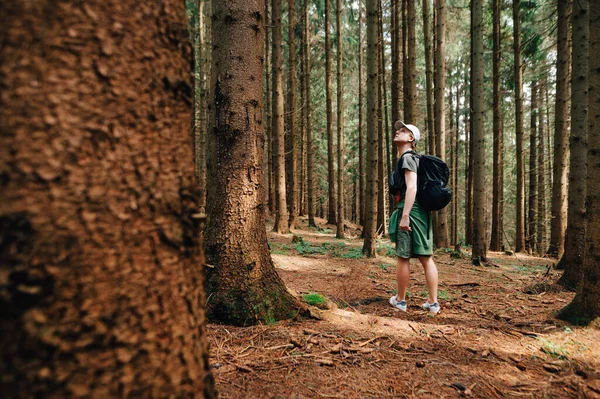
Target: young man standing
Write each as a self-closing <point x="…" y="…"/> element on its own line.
<point x="411" y="223"/>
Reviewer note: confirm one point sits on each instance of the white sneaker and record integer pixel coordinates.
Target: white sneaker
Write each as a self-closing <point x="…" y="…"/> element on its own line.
<point x="432" y="308"/>
<point x="398" y="304"/>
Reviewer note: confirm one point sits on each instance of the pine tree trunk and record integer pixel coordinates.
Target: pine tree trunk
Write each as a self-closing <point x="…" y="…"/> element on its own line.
<point x="381" y="169"/>
<point x="269" y="157"/>
<point x="561" y="132"/>
<point x="309" y="142"/>
<point x="428" y="76"/>
<point x="454" y="171"/>
<point x="101" y="287"/>
<point x="497" y="230"/>
<point x="542" y="157"/>
<point x="479" y="195"/>
<point x="292" y="151"/>
<point x="396" y="53"/>
<point x="532" y="198"/>
<point x="410" y="114"/>
<point x="361" y="150"/>
<point x="441" y="228"/>
<point x="277" y="127"/>
<point x="575" y="236"/>
<point x="370" y="229"/>
<point x="340" y="123"/>
<point x="586" y="304"/>
<point x="520" y="153"/>
<point x="302" y="153"/>
<point x="243" y="285"/>
<point x="331" y="214"/>
<point x="452" y="159"/>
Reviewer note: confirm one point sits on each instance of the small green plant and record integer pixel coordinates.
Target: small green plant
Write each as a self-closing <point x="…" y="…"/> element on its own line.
<point x="444" y="295"/>
<point x="384" y="267"/>
<point x="305" y="248"/>
<point x="353" y="253"/>
<point x="315" y="299"/>
<point x="553" y="349"/>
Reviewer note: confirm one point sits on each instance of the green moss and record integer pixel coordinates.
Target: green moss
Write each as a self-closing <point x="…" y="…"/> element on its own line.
<point x="315" y="299"/>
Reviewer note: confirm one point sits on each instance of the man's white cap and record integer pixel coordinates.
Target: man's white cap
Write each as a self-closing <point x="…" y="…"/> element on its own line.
<point x="413" y="129"/>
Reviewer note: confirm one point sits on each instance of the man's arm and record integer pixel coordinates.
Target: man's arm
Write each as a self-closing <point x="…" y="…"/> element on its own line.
<point x="409" y="199"/>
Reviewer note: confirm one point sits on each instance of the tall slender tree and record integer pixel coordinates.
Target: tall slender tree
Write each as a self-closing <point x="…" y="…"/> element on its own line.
<point x="309" y="141"/>
<point x="243" y="285"/>
<point x="331" y="214"/>
<point x="269" y="158"/>
<point x="277" y="128"/>
<point x="410" y="106"/>
<point x="381" y="166"/>
<point x="98" y="238"/>
<point x="340" y="122"/>
<point x="370" y="229"/>
<point x="292" y="150"/>
<point x="479" y="195"/>
<point x="533" y="173"/>
<point x="441" y="228"/>
<point x="428" y="76"/>
<point x="561" y="131"/>
<point x="518" y="72"/>
<point x="573" y="256"/>
<point x="586" y="304"/>
<point x="361" y="150"/>
<point x="542" y="157"/>
<point x="497" y="231"/>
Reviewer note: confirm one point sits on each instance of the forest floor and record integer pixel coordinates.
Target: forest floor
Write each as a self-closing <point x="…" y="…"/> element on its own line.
<point x="495" y="337"/>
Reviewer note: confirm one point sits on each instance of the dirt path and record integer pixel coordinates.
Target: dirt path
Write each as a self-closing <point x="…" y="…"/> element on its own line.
<point x="495" y="337"/>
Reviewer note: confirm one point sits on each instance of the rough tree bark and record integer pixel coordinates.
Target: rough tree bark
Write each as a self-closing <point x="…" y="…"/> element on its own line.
<point x="586" y="304"/>
<point x="428" y="75"/>
<point x="291" y="139"/>
<point x="309" y="143"/>
<point x="277" y="122"/>
<point x="243" y="285"/>
<point x="331" y="213"/>
<point x="100" y="266"/>
<point x="572" y="259"/>
<point x="370" y="233"/>
<point x="497" y="232"/>
<point x="441" y="227"/>
<point x="340" y="123"/>
<point x="361" y="150"/>
<point x="518" y="71"/>
<point x="532" y="213"/>
<point x="479" y="195"/>
<point x="542" y="158"/>
<point x="558" y="223"/>
<point x="410" y="107"/>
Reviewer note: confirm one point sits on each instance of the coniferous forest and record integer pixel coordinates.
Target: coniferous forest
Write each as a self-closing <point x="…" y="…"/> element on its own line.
<point x="195" y="198"/>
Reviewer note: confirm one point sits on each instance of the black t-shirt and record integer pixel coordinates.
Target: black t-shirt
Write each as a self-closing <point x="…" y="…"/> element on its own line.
<point x="410" y="161"/>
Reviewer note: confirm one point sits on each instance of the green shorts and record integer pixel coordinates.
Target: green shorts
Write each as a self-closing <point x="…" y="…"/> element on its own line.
<point x="419" y="241"/>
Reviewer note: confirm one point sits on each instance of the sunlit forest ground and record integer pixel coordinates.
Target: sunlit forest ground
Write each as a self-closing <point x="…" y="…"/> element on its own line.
<point x="495" y="337"/>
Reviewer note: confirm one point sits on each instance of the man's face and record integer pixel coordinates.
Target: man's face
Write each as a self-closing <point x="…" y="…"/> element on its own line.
<point x="403" y="135"/>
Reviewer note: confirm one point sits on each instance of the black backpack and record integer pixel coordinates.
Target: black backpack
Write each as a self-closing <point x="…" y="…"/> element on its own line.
<point x="432" y="179"/>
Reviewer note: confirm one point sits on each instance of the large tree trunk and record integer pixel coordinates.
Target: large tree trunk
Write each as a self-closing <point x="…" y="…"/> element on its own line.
<point x="561" y="132"/>
<point x="518" y="71"/>
<point x="532" y="213"/>
<point x="396" y="62"/>
<point x="479" y="195"/>
<point x="572" y="259"/>
<point x="428" y="76"/>
<point x="361" y="150"/>
<point x="243" y="285"/>
<point x="586" y="304"/>
<point x="101" y="287"/>
<point x="277" y="126"/>
<point x="497" y="230"/>
<point x="331" y="214"/>
<point x="292" y="147"/>
<point x="382" y="170"/>
<point x="452" y="159"/>
<point x="370" y="233"/>
<point x="441" y="228"/>
<point x="340" y="123"/>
